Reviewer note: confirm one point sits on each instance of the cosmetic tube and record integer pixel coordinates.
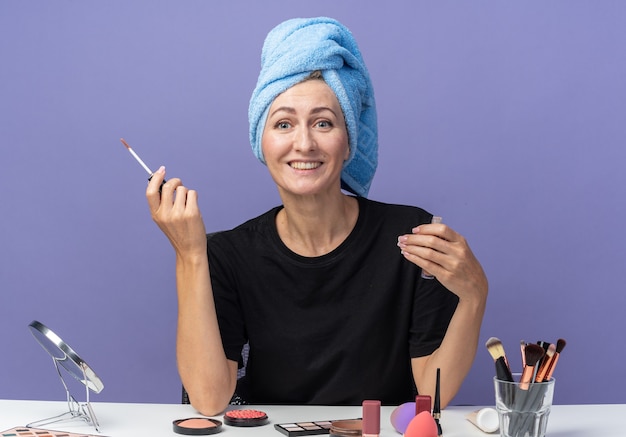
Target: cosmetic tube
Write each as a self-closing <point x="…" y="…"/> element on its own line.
<point x="485" y="419"/>
<point x="371" y="418"/>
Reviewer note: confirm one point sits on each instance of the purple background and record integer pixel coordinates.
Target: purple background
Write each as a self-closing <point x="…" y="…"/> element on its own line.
<point x="506" y="118"/>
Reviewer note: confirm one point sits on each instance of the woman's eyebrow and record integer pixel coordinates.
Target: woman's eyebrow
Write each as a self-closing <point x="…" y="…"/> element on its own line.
<point x="319" y="109"/>
<point x="291" y="110"/>
<point x="288" y="109"/>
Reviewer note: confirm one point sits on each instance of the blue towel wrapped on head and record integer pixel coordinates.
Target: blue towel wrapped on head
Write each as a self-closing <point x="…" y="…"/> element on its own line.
<point x="291" y="52"/>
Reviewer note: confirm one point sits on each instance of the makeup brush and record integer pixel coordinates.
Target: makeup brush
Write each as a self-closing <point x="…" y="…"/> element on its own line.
<point x="522" y="346"/>
<point x="532" y="353"/>
<point x="545" y="345"/>
<point x="437" y="404"/>
<point x="495" y="348"/>
<point x="544" y="365"/>
<point x="139" y="160"/>
<point x="560" y="345"/>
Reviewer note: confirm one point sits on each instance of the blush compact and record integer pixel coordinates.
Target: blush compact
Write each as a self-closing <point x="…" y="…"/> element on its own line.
<point x="197" y="426"/>
<point x="245" y="418"/>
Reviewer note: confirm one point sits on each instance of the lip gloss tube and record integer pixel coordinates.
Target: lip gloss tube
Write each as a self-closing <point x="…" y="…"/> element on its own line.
<point x="371" y="418"/>
<point x="426" y="275"/>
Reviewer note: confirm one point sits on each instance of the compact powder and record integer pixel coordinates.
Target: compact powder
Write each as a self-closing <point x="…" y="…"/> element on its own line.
<point x="346" y="428"/>
<point x="245" y="418"/>
<point x="197" y="426"/>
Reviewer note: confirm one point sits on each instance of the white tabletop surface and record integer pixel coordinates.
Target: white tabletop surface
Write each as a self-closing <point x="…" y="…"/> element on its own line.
<point x="123" y="419"/>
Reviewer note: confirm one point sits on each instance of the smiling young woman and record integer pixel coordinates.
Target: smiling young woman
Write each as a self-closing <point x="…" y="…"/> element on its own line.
<point x="305" y="140"/>
<point x="326" y="288"/>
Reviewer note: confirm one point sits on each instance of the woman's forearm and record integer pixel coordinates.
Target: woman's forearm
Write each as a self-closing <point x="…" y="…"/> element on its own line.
<point x="454" y="356"/>
<point x="207" y="375"/>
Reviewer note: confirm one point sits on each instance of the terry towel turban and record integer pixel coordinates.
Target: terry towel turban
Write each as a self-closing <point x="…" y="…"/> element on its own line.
<point x="291" y="52"/>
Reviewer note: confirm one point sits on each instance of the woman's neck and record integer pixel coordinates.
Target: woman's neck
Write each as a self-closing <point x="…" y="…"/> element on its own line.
<point x="315" y="226"/>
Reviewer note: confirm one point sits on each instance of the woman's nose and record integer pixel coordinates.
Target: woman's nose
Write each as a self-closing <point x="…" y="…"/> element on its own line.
<point x="304" y="140"/>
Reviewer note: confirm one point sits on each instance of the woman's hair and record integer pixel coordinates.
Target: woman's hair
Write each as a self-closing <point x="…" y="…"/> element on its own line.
<point x="317" y="74"/>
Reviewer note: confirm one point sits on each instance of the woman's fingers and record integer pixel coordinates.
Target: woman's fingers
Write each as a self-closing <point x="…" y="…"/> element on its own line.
<point x="153" y="192"/>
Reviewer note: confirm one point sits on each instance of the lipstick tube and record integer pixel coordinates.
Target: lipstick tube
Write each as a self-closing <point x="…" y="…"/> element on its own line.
<point x="371" y="418"/>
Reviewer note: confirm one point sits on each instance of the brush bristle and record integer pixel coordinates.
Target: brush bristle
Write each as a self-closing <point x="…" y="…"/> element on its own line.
<point x="124" y="143"/>
<point x="495" y="347"/>
<point x="551" y="350"/>
<point x="533" y="354"/>
<point x="560" y="345"/>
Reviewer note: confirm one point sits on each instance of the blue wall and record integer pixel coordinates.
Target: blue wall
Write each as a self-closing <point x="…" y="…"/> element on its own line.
<point x="506" y="118"/>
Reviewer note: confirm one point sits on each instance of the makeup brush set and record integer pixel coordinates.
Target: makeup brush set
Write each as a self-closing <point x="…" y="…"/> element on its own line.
<point x="523" y="400"/>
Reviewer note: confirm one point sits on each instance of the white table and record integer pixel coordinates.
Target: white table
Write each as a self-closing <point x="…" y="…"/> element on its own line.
<point x="155" y="420"/>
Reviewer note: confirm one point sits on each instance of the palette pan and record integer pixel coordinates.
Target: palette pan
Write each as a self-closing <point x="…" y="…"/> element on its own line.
<point x="37" y="432"/>
<point x="303" y="428"/>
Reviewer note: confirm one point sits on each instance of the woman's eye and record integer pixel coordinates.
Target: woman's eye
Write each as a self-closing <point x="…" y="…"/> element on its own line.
<point x="282" y="125"/>
<point x="324" y="124"/>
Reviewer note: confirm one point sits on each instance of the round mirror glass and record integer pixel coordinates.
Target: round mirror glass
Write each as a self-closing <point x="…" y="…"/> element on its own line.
<point x="65" y="356"/>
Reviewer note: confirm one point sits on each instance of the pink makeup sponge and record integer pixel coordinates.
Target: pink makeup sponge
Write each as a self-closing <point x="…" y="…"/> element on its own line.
<point x="422" y="425"/>
<point x="402" y="415"/>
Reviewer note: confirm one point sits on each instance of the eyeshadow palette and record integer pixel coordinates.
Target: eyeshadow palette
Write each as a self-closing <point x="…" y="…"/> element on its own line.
<point x="36" y="432"/>
<point x="304" y="428"/>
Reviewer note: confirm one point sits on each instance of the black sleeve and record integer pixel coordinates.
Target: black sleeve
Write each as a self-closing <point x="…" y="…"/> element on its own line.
<point x="433" y="307"/>
<point x="226" y="298"/>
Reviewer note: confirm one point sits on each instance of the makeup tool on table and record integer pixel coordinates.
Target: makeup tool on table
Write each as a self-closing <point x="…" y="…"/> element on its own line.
<point x="139" y="160"/>
<point x="524" y="404"/>
<point x="533" y="353"/>
<point x="368" y="425"/>
<point x="197" y="426"/>
<point x="544" y="365"/>
<point x="320" y="427"/>
<point x="414" y="419"/>
<point x="245" y="418"/>
<point x="402" y="415"/>
<point x="296" y="429"/>
<point x="485" y="419"/>
<point x="422" y="425"/>
<point x="22" y="431"/>
<point x="436" y="404"/>
<point x="495" y="348"/>
<point x="371" y="418"/>
<point x="560" y="344"/>
<point x="207" y="426"/>
<point x="64" y="357"/>
<point x="425" y="274"/>
<point x="346" y="428"/>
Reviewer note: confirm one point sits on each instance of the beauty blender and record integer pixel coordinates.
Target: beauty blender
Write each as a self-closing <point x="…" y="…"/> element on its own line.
<point x="402" y="415"/>
<point x="422" y="425"/>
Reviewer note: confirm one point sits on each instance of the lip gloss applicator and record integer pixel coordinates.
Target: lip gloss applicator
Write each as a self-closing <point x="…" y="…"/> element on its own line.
<point x="140" y="161"/>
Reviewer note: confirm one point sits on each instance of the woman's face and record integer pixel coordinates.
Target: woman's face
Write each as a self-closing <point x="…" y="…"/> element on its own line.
<point x="305" y="141"/>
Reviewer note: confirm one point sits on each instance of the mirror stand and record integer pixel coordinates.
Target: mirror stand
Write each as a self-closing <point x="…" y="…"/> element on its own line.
<point x="76" y="410"/>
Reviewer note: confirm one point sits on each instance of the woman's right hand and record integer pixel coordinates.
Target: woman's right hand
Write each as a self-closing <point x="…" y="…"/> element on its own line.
<point x="175" y="210"/>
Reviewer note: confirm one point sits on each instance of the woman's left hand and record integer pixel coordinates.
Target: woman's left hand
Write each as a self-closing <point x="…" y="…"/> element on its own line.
<point x="445" y="254"/>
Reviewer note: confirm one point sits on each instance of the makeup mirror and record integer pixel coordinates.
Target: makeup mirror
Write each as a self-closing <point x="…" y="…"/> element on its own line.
<point x="65" y="357"/>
